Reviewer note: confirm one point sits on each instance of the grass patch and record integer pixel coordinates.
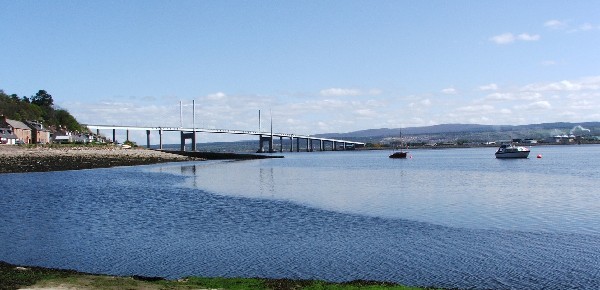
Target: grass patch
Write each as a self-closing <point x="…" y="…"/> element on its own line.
<point x="15" y="277"/>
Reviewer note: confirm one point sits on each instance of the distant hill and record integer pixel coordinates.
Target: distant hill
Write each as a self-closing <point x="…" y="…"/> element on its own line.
<point x="452" y="129"/>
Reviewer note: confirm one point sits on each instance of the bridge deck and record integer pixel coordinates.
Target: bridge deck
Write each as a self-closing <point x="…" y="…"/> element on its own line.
<point x="221" y="131"/>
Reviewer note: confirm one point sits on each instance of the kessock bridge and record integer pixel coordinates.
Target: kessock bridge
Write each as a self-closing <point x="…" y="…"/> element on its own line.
<point x="308" y="142"/>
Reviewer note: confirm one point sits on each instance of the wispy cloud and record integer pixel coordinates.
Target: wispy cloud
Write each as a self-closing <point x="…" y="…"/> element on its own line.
<point x="588" y="26"/>
<point x="528" y="37"/>
<point x="489" y="87"/>
<point x="476" y="108"/>
<point x="420" y="105"/>
<point x="216" y="96"/>
<point x="555" y="24"/>
<point x="588" y="83"/>
<point x="566" y="26"/>
<point x="540" y="105"/>
<point x="450" y="91"/>
<point x="512" y="96"/>
<point x="339" y="92"/>
<point x="342" y="92"/>
<point x="506" y="38"/>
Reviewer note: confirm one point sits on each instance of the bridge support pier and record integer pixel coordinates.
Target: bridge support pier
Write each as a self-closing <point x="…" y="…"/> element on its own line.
<point x="321" y="145"/>
<point x="280" y="144"/>
<point x="291" y="144"/>
<point x="334" y="146"/>
<point x="114" y="136"/>
<point x="188" y="135"/>
<point x="126" y="135"/>
<point x="261" y="145"/>
<point x="160" y="139"/>
<point x="148" y="139"/>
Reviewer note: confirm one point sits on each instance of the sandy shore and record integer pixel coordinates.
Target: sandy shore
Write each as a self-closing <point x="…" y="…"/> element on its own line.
<point x="14" y="159"/>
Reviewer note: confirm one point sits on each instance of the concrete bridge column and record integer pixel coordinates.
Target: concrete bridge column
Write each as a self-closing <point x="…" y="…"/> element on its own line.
<point x="291" y="144"/>
<point x="185" y="136"/>
<point x="280" y="143"/>
<point x="321" y="145"/>
<point x="261" y="145"/>
<point x="160" y="139"/>
<point x="182" y="141"/>
<point x="334" y="146"/>
<point x="271" y="144"/>
<point x="194" y="141"/>
<point x="114" y="136"/>
<point x="147" y="138"/>
<point x="344" y="145"/>
<point x="308" y="144"/>
<point x="127" y="135"/>
<point x="297" y="144"/>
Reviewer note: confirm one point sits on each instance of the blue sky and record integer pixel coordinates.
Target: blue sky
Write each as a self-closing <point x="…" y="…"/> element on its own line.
<point x="319" y="66"/>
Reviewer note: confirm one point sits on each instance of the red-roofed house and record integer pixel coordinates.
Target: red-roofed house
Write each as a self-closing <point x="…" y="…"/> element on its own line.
<point x="20" y="129"/>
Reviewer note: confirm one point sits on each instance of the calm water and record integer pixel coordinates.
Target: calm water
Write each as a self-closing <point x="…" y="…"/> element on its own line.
<point x="448" y="218"/>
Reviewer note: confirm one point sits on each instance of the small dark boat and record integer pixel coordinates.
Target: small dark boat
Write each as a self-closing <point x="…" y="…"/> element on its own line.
<point x="399" y="154"/>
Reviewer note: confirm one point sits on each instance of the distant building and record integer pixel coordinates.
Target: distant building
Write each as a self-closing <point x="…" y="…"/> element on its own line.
<point x="7" y="136"/>
<point x="561" y="139"/>
<point x="60" y="135"/>
<point x="39" y="134"/>
<point x="19" y="129"/>
<point x="82" y="138"/>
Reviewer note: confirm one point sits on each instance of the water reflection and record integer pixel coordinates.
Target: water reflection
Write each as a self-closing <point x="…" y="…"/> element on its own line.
<point x="267" y="182"/>
<point x="188" y="169"/>
<point x="440" y="188"/>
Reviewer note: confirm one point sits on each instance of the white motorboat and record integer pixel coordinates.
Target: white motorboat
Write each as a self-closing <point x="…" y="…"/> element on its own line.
<point x="512" y="151"/>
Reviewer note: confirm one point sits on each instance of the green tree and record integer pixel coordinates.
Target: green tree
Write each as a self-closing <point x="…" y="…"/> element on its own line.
<point x="42" y="99"/>
<point x="63" y="117"/>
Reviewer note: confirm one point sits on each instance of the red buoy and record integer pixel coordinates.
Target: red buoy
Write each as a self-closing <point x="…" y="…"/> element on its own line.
<point x="539" y="156"/>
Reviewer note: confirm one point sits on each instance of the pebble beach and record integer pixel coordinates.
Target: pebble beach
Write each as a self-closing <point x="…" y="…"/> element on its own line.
<point x="19" y="159"/>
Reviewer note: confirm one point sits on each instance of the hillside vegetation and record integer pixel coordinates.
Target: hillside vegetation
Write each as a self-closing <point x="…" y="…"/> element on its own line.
<point x="39" y="107"/>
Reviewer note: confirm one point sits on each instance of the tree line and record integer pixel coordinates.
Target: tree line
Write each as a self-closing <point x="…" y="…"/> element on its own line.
<point x="39" y="107"/>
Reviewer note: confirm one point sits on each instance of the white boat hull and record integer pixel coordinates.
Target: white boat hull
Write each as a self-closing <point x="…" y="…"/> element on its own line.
<point x="512" y="151"/>
<point x="520" y="154"/>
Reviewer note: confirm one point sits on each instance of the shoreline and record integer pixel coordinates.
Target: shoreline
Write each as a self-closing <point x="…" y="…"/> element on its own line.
<point x="25" y="159"/>
<point x="45" y="158"/>
<point x="41" y="278"/>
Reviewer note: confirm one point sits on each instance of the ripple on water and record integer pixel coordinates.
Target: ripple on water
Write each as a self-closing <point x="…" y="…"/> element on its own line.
<point x="452" y="230"/>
